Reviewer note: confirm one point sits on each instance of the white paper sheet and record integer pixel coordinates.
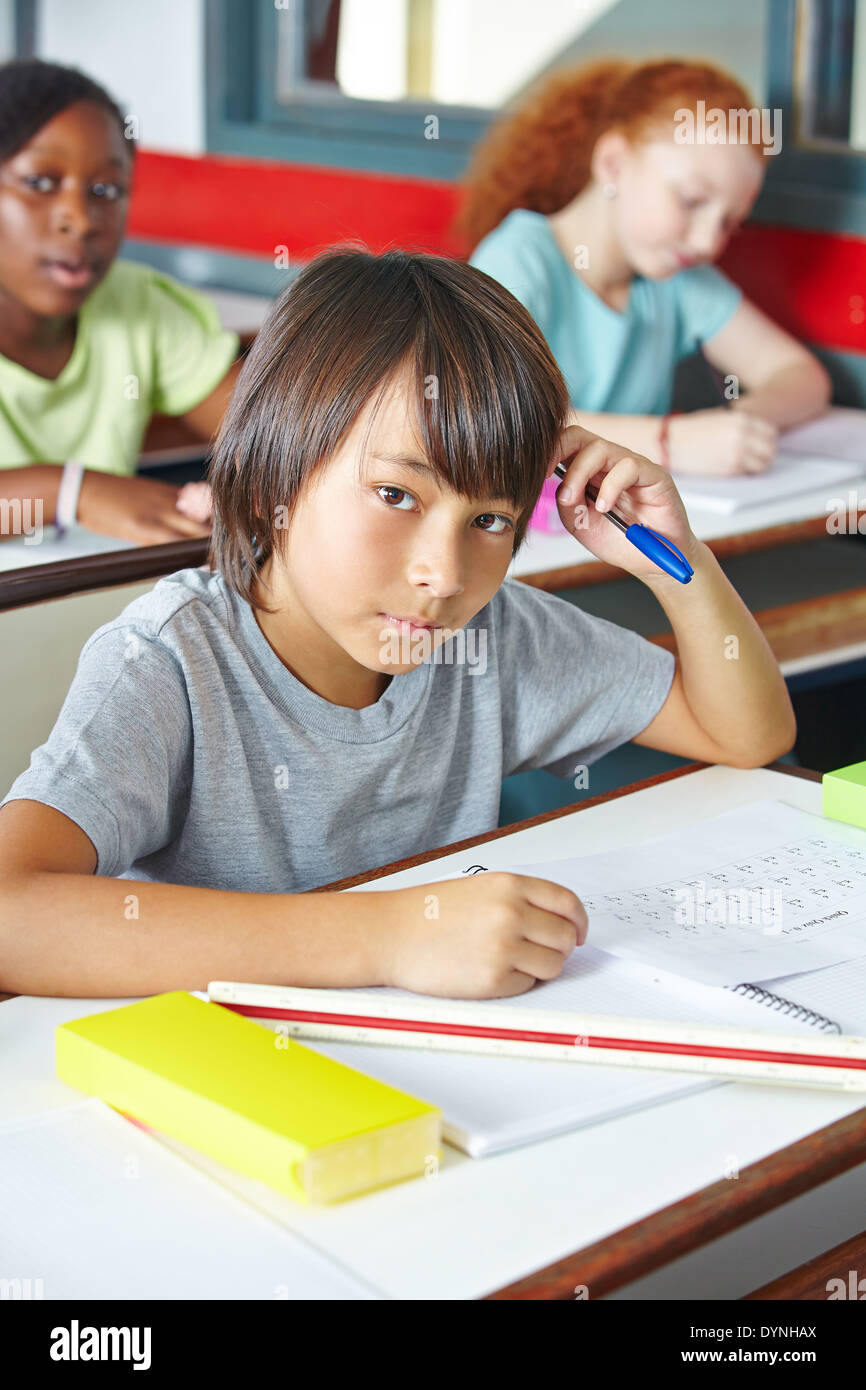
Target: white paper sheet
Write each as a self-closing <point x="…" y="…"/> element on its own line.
<point x="840" y="434"/>
<point x="788" y="475"/>
<point x="92" y="1206"/>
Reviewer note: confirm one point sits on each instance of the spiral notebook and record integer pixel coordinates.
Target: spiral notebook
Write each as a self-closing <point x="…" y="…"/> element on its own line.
<point x="801" y="970"/>
<point x="492" y="1104"/>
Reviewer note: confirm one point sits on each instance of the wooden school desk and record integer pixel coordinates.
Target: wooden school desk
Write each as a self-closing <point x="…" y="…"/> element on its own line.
<point x="635" y="1207"/>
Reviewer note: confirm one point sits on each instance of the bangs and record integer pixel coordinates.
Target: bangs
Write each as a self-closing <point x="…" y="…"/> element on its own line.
<point x="470" y="430"/>
<point x="483" y="433"/>
<point x="485" y="395"/>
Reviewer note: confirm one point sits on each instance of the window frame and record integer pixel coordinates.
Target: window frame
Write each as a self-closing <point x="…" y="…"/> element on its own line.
<point x="244" y="115"/>
<point x="819" y="184"/>
<point x="811" y="182"/>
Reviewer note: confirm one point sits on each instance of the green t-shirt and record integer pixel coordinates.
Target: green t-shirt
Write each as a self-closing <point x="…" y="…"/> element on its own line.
<point x="143" y="343"/>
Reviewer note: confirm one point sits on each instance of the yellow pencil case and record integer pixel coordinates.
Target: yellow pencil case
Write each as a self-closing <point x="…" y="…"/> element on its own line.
<point x="259" y="1102"/>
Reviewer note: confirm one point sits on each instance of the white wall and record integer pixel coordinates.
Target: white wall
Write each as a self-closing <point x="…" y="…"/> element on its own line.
<point x="150" y="57"/>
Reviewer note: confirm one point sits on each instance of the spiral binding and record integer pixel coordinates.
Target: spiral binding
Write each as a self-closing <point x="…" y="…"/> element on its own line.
<point x="756" y="992"/>
<point x="786" y="1006"/>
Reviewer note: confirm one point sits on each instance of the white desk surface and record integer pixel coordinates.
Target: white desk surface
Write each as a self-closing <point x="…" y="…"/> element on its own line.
<point x="242" y="312"/>
<point x="76" y="542"/>
<point x="482" y="1223"/>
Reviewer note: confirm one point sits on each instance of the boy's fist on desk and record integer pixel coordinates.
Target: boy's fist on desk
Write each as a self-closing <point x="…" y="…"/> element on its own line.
<point x="483" y="937"/>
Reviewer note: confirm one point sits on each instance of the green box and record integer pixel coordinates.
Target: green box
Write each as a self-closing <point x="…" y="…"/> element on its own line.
<point x="844" y="794"/>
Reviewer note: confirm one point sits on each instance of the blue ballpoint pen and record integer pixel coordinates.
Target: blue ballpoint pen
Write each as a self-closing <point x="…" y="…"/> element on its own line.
<point x="651" y="543"/>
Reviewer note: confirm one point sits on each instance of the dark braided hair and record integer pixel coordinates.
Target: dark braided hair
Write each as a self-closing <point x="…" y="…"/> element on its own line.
<point x="33" y="92"/>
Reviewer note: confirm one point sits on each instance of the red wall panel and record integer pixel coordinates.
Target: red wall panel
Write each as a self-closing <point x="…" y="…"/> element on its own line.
<point x="255" y="206"/>
<point x="811" y="282"/>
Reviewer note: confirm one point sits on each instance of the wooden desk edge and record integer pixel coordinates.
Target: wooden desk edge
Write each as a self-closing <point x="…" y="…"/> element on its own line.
<point x="704" y="1216"/>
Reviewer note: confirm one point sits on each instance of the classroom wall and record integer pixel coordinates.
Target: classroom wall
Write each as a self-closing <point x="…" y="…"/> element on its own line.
<point x="41" y="646"/>
<point x="149" y="56"/>
<point x="152" y="56"/>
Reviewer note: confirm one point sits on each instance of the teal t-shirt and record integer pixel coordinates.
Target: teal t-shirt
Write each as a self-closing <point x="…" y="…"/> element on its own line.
<point x="143" y="343"/>
<point x="619" y="362"/>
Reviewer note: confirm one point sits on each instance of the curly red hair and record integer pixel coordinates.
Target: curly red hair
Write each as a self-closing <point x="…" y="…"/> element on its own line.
<point x="539" y="155"/>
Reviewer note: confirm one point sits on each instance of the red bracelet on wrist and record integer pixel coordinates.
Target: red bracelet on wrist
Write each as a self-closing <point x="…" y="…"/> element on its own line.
<point x="664" y="430"/>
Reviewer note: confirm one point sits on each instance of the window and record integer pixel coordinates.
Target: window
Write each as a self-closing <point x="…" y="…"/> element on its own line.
<point x="816" y="75"/>
<point x="832" y="74"/>
<point x="408" y="86"/>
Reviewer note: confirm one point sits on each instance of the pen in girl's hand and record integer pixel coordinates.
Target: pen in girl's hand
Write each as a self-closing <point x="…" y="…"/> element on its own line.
<point x="651" y="543"/>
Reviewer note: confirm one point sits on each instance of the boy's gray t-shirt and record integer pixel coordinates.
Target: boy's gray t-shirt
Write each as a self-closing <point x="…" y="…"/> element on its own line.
<point x="190" y="754"/>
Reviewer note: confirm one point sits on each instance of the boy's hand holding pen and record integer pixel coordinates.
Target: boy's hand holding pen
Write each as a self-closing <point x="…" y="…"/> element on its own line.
<point x="623" y="508"/>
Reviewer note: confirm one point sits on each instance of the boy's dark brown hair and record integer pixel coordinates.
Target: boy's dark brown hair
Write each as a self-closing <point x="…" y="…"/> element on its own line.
<point x="489" y="399"/>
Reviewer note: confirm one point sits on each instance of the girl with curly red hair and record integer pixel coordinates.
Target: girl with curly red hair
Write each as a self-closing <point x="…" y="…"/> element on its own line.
<point x="598" y="204"/>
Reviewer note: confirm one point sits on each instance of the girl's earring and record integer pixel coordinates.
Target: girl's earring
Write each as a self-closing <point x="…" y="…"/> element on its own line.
<point x="608" y="190"/>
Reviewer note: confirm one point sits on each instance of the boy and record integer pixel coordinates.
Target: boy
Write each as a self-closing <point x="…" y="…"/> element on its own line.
<point x="241" y="735"/>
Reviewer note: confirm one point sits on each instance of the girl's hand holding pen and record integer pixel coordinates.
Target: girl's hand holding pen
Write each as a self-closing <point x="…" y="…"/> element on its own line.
<point x="639" y="491"/>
